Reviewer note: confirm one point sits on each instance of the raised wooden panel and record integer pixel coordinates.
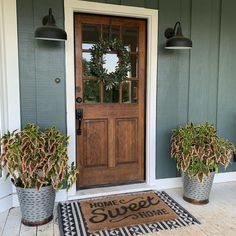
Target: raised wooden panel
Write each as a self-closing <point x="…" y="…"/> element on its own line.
<point x="126" y="141"/>
<point x="95" y="143"/>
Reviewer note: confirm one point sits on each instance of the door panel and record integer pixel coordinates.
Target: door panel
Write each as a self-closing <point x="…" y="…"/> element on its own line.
<point x="126" y="141"/>
<point x="110" y="147"/>
<point x="95" y="143"/>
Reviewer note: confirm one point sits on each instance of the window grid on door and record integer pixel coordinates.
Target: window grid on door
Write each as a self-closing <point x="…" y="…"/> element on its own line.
<point x="94" y="92"/>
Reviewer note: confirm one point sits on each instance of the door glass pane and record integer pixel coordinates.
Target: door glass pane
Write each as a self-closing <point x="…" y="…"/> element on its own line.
<point x="130" y="91"/>
<point x="90" y="35"/>
<point x="111" y="60"/>
<point x="91" y="91"/>
<point x="115" y="32"/>
<point x="130" y="38"/>
<point x="111" y="96"/>
<point x="86" y="56"/>
<point x="134" y="65"/>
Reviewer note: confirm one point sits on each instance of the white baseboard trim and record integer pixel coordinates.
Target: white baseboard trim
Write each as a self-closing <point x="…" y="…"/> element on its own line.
<point x="177" y="182"/>
<point x="6" y="203"/>
<point x="225" y="177"/>
<point x="160" y="184"/>
<point x="99" y="192"/>
<point x="168" y="183"/>
<point x="61" y="195"/>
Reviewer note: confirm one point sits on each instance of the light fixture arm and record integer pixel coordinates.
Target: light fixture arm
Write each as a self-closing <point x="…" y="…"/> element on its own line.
<point x="175" y="38"/>
<point x="171" y="32"/>
<point x="49" y="19"/>
<point x="177" y="23"/>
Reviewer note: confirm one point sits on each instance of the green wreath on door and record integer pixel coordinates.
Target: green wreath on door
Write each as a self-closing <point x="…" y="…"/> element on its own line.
<point x="97" y="62"/>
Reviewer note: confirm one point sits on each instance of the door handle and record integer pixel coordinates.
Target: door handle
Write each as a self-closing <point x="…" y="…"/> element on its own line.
<point x="79" y="117"/>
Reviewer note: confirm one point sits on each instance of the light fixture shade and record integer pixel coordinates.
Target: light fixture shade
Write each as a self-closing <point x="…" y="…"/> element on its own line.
<point x="50" y="33"/>
<point x="175" y="38"/>
<point x="179" y="43"/>
<point x="49" y="30"/>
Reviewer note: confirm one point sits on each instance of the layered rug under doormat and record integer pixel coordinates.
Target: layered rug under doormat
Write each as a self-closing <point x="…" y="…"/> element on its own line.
<point x="128" y="214"/>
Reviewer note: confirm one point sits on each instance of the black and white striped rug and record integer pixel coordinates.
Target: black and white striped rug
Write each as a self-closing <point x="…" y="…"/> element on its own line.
<point x="72" y="221"/>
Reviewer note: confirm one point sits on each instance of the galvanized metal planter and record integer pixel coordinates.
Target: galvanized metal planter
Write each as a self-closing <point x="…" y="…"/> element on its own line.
<point x="36" y="206"/>
<point x="196" y="192"/>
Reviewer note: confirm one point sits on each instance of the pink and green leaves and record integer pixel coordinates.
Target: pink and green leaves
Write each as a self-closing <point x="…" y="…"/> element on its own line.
<point x="35" y="158"/>
<point x="198" y="150"/>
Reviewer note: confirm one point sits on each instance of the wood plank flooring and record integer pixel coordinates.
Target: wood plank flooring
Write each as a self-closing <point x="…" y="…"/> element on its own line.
<point x="218" y="218"/>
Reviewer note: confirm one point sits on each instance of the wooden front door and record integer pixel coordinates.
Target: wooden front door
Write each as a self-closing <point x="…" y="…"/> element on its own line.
<point x="111" y="129"/>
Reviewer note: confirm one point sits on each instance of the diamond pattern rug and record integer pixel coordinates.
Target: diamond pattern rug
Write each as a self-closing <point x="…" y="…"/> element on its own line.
<point x="74" y="222"/>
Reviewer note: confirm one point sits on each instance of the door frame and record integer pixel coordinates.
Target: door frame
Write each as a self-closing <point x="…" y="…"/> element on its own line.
<point x="80" y="6"/>
<point x="9" y="86"/>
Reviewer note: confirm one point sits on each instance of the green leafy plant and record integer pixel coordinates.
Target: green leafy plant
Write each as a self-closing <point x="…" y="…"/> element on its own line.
<point x="97" y="62"/>
<point x="198" y="150"/>
<point x="35" y="158"/>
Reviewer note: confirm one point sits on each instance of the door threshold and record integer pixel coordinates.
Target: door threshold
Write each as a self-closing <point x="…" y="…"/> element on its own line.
<point x="104" y="191"/>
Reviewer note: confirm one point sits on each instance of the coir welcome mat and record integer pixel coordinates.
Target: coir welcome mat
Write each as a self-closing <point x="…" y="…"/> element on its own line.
<point x="122" y="214"/>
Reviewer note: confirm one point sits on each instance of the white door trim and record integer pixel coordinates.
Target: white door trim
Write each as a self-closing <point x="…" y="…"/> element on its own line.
<point x="9" y="84"/>
<point x="151" y="15"/>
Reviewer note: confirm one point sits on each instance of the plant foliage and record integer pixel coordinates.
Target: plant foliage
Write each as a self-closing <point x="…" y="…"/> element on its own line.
<point x="198" y="150"/>
<point x="97" y="62"/>
<point x="35" y="158"/>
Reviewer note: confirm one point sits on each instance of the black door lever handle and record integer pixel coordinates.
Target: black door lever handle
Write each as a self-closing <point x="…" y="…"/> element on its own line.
<point x="79" y="117"/>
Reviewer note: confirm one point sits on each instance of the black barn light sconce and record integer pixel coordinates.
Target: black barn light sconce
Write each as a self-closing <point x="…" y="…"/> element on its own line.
<point x="175" y="38"/>
<point x="49" y="30"/>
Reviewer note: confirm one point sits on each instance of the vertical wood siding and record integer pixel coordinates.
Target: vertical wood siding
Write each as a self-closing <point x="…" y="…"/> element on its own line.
<point x="42" y="100"/>
<point x="204" y="61"/>
<point x="226" y="105"/>
<point x="173" y="82"/>
<point x="193" y="86"/>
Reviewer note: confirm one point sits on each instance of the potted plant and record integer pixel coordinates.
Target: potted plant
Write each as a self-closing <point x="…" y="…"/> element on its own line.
<point x="36" y="161"/>
<point x="199" y="152"/>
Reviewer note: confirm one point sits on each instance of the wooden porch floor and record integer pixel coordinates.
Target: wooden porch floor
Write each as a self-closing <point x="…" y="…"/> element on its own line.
<point x="218" y="218"/>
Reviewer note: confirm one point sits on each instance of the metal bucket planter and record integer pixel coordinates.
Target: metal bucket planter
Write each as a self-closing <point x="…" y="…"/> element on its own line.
<point x="196" y="192"/>
<point x="36" y="206"/>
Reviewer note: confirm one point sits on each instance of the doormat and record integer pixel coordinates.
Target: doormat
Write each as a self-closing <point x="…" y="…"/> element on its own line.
<point x="122" y="214"/>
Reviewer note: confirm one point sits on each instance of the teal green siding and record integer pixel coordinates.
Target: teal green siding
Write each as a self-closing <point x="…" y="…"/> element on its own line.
<point x="192" y="86"/>
<point x="226" y="112"/>
<point x="42" y="100"/>
<point x="27" y="61"/>
<point x="204" y="61"/>
<point x="173" y="83"/>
